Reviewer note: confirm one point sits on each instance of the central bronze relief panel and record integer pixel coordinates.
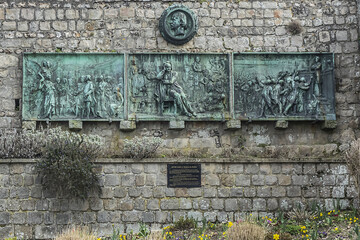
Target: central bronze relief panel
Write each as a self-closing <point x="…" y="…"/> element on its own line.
<point x="180" y="86"/>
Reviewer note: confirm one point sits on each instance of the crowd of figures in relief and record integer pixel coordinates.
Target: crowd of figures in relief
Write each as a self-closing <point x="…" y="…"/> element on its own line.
<point x="301" y="90"/>
<point x="194" y="86"/>
<point x="69" y="91"/>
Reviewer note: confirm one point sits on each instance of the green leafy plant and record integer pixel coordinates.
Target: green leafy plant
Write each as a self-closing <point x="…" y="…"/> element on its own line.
<point x="184" y="223"/>
<point x="141" y="147"/>
<point x="143" y="231"/>
<point x="67" y="163"/>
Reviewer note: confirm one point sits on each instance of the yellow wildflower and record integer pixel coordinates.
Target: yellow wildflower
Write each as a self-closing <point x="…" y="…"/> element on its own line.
<point x="276" y="237"/>
<point x="230" y="224"/>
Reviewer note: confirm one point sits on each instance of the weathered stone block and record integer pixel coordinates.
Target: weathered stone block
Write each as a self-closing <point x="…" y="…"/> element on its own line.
<point x="293" y="191"/>
<point x="28" y="13"/>
<point x="161" y="217"/>
<point x="300" y="180"/>
<point x="227" y="180"/>
<point x="224" y="192"/>
<point x="249" y="191"/>
<point x="270" y="180"/>
<point x="210" y="192"/>
<point x="159" y="192"/>
<point x="281" y="124"/>
<point x="231" y="205"/>
<point x="128" y="180"/>
<point x="50" y="14"/>
<point x="259" y="204"/>
<point x="19" y="192"/>
<point x="338" y="192"/>
<point x="131" y="216"/>
<point x="28" y="205"/>
<point x="127" y="12"/>
<point x="4" y="218"/>
<point x="154" y="204"/>
<point x="258" y="180"/>
<point x="284" y="180"/>
<point x="148" y="217"/>
<point x="127" y="125"/>
<point x="75" y="124"/>
<point x="242" y="180"/>
<point x="272" y="204"/>
<point x="185" y="204"/>
<point x="169" y="204"/>
<point x="233" y="124"/>
<point x="252" y="168"/>
<point x="264" y="192"/>
<point x="329" y="124"/>
<point x="45" y="232"/>
<point x="176" y="125"/>
<point x="34" y="218"/>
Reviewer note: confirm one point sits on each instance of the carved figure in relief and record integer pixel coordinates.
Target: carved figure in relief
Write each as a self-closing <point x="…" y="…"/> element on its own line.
<point x="277" y="94"/>
<point x="79" y="96"/>
<point x="49" y="92"/>
<point x="265" y="84"/>
<point x="117" y="102"/>
<point x="178" y="23"/>
<point x="88" y="97"/>
<point x="101" y="94"/>
<point x="303" y="86"/>
<point x="169" y="87"/>
<point x="317" y="68"/>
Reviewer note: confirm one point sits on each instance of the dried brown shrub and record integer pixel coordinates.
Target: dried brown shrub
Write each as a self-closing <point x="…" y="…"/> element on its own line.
<point x="76" y="233"/>
<point x="246" y="231"/>
<point x="157" y="235"/>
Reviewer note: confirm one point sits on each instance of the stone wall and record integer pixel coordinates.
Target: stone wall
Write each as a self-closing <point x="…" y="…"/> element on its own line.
<point x="137" y="192"/>
<point x="126" y="26"/>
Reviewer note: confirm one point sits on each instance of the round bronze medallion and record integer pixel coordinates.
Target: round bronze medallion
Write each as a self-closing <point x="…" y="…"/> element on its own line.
<point x="178" y="24"/>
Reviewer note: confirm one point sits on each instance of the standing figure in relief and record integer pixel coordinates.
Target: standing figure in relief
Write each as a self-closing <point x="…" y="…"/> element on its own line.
<point x="266" y="96"/>
<point x="317" y="68"/>
<point x="170" y="87"/>
<point x="303" y="86"/>
<point x="101" y="108"/>
<point x="88" y="97"/>
<point x="277" y="92"/>
<point x="49" y="91"/>
<point x="79" y="96"/>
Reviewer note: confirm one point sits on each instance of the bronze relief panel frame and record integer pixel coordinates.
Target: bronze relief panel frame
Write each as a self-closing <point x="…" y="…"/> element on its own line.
<point x="284" y="86"/>
<point x="186" y="86"/>
<point x="67" y="86"/>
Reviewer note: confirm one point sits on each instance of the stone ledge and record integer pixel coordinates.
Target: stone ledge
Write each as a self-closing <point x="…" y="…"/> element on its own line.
<point x="197" y="160"/>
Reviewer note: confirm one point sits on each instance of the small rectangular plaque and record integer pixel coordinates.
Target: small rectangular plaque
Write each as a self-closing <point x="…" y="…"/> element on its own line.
<point x="184" y="175"/>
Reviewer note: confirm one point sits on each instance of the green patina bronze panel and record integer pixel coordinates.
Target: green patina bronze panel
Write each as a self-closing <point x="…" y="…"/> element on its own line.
<point x="73" y="86"/>
<point x="271" y="86"/>
<point x="181" y="86"/>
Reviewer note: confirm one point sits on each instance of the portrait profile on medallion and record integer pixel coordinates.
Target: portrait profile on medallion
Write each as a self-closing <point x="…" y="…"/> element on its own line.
<point x="178" y="24"/>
